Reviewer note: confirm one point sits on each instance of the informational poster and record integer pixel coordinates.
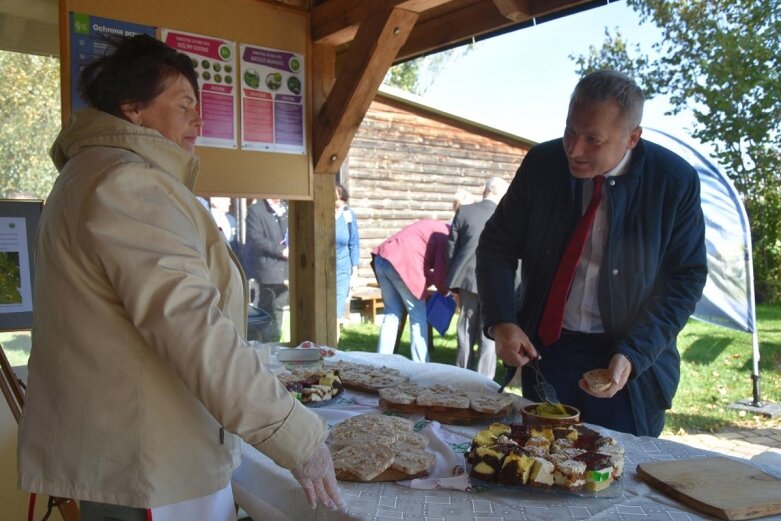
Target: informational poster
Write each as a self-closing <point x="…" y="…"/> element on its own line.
<point x="272" y="100"/>
<point x="18" y="222"/>
<point x="16" y="293"/>
<point x="89" y="39"/>
<point x="214" y="60"/>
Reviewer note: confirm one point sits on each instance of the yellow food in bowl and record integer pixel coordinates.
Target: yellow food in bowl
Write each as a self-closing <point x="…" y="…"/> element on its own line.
<point x="551" y="410"/>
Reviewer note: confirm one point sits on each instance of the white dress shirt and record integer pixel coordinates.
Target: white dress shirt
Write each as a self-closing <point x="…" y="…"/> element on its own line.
<point x="581" y="312"/>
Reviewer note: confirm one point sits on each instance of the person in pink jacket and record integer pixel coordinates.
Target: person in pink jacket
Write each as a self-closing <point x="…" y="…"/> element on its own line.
<point x="406" y="264"/>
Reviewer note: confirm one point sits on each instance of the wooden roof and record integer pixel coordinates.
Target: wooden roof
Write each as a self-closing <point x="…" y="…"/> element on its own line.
<point x="440" y="24"/>
<point x="358" y="40"/>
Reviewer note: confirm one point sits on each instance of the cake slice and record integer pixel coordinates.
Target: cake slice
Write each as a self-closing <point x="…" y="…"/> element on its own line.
<point x="541" y="432"/>
<point x="565" y="432"/>
<point x="538" y="441"/>
<point x="516" y="467"/>
<point x="499" y="428"/>
<point x="561" y="444"/>
<point x="542" y="473"/>
<point x="570" y="474"/>
<point x="616" y="455"/>
<point x="487" y="461"/>
<point x="599" y="470"/>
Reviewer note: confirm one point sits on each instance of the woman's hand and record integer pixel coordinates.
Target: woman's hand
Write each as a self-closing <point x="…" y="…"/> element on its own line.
<point x="316" y="476"/>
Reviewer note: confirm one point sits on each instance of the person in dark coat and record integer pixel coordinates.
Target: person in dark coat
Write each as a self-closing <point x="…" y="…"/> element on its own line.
<point x="637" y="279"/>
<point x="465" y="231"/>
<point x="267" y="261"/>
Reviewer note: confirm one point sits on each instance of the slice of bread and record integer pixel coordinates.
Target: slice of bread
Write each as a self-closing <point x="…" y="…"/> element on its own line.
<point x="490" y="403"/>
<point x="452" y="400"/>
<point x="365" y="462"/>
<point x="413" y="461"/>
<point x="598" y="379"/>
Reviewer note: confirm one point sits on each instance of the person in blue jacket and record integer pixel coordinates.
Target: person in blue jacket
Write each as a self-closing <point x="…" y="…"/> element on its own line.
<point x="638" y="277"/>
<point x="348" y="248"/>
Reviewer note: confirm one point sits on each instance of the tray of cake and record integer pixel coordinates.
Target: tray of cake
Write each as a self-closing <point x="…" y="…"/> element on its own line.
<point x="378" y="447"/>
<point x="572" y="458"/>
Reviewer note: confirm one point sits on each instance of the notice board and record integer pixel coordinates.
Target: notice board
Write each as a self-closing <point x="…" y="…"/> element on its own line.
<point x="249" y="172"/>
<point x="18" y="227"/>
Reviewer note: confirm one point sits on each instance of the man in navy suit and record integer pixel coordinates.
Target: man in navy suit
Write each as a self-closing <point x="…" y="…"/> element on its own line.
<point x="464" y="235"/>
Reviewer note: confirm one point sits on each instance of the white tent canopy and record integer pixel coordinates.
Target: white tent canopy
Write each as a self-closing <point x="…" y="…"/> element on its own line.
<point x="728" y="299"/>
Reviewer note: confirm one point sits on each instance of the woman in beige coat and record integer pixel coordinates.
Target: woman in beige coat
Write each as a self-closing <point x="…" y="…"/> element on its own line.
<point x="140" y="378"/>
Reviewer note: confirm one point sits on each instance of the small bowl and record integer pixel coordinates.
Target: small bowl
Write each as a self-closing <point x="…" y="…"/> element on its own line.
<point x="531" y="417"/>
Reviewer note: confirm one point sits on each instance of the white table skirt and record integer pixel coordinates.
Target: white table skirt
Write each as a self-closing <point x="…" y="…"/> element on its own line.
<point x="269" y="493"/>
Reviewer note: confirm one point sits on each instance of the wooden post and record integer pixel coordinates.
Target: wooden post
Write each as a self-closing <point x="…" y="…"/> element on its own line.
<point x="312" y="223"/>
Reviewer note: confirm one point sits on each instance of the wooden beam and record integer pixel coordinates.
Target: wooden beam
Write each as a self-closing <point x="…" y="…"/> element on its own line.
<point x="475" y="19"/>
<point x="368" y="59"/>
<point x="435" y="33"/>
<point x="336" y="21"/>
<point x="515" y="10"/>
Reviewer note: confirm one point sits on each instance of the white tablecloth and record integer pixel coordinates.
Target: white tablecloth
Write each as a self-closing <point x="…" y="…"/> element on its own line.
<point x="269" y="493"/>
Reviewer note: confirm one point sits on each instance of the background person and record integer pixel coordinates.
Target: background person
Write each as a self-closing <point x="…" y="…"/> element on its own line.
<point x="637" y="275"/>
<point x="465" y="231"/>
<point x="220" y="208"/>
<point x="462" y="197"/>
<point x="406" y="264"/>
<point x="348" y="248"/>
<point x="267" y="250"/>
<point x="140" y="380"/>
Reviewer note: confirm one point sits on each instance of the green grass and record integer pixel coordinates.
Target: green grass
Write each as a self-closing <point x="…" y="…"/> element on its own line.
<point x="716" y="366"/>
<point x="715" y="369"/>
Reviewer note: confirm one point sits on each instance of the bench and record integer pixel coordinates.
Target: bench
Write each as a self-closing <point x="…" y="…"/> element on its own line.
<point x="369" y="303"/>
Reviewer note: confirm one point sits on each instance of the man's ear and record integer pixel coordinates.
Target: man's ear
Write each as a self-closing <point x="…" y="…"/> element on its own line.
<point x="634" y="137"/>
<point x="132" y="112"/>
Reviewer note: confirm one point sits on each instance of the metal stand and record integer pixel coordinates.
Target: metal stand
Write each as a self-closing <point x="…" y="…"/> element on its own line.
<point x="755" y="405"/>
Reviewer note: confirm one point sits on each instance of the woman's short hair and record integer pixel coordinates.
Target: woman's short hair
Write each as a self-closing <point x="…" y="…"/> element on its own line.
<point x="344" y="194"/>
<point x="601" y="86"/>
<point x="135" y="72"/>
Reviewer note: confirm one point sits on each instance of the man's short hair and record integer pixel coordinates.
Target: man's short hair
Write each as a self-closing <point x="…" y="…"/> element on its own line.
<point x="495" y="185"/>
<point x="601" y="86"/>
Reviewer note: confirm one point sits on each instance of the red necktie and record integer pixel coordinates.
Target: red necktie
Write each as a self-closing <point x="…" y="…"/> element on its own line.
<point x="553" y="314"/>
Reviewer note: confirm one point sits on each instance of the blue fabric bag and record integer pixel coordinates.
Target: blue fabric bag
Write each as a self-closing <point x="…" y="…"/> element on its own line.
<point x="439" y="311"/>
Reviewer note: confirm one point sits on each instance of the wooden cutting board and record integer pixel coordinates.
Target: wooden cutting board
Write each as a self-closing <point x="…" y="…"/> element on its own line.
<point x="721" y="487"/>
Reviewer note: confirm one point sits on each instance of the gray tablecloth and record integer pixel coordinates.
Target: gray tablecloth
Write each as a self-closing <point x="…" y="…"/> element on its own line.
<point x="269" y="493"/>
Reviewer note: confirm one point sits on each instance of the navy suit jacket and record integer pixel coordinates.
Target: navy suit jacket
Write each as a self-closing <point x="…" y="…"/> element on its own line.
<point x="465" y="231"/>
<point x="653" y="271"/>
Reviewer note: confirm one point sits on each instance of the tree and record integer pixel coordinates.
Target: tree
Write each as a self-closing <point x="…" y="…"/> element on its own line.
<point x="30" y="108"/>
<point x="721" y="60"/>
<point x="417" y="75"/>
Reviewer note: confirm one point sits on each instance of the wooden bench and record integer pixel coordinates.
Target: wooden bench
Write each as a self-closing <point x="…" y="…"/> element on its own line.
<point x="369" y="302"/>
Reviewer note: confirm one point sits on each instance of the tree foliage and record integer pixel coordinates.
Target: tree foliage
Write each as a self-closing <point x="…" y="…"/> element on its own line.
<point x="30" y="108"/>
<point x="417" y="75"/>
<point x="721" y="60"/>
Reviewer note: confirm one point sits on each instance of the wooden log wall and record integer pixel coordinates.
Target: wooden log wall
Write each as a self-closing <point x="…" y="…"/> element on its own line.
<point x="406" y="164"/>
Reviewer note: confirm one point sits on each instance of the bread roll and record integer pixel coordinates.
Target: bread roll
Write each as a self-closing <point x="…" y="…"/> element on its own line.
<point x="598" y="379"/>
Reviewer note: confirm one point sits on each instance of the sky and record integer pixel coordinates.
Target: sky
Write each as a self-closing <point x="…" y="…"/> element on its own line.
<point x="521" y="82"/>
